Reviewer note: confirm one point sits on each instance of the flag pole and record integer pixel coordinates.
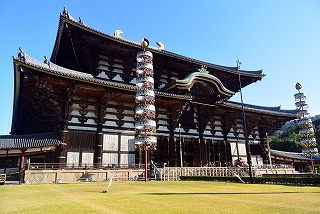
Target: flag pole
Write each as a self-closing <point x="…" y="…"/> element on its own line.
<point x="245" y="125"/>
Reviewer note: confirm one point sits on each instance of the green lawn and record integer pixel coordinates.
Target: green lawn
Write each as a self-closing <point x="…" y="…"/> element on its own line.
<point x="158" y="197"/>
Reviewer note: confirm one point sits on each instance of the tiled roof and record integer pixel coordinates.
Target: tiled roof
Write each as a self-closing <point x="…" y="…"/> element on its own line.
<point x="292" y="155"/>
<point x="52" y="68"/>
<point x="29" y="141"/>
<point x="262" y="109"/>
<point x="68" y="18"/>
<point x="235" y="69"/>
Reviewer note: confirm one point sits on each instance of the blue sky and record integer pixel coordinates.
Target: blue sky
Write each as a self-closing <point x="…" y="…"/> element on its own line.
<point x="280" y="37"/>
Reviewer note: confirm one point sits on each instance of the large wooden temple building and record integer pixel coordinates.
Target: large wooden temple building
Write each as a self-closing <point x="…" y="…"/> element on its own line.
<point x="77" y="108"/>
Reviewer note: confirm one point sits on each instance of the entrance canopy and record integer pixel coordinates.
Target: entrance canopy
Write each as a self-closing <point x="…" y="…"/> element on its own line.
<point x="202" y="84"/>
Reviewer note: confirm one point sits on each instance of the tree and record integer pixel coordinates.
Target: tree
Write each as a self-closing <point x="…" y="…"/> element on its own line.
<point x="287" y="138"/>
<point x="316" y="124"/>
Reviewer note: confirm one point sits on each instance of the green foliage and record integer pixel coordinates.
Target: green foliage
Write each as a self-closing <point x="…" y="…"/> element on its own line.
<point x="212" y="178"/>
<point x="298" y="180"/>
<point x="288" y="139"/>
<point x="316" y="124"/>
<point x="309" y="168"/>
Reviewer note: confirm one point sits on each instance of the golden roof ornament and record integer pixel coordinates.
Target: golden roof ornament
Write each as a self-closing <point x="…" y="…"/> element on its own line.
<point x="118" y="33"/>
<point x="145" y="43"/>
<point x="160" y="45"/>
<point x="203" y="69"/>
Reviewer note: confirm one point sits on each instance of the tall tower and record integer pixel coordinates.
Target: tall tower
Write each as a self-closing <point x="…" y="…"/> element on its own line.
<point x="145" y="111"/>
<point x="306" y="132"/>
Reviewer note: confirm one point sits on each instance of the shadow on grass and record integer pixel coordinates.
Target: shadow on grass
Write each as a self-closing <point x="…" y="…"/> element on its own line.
<point x="225" y="193"/>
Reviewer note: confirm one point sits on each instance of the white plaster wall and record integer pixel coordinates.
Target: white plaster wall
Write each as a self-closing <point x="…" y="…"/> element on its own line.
<point x="126" y="159"/>
<point x="110" y="142"/>
<point x="73" y="159"/>
<point x="109" y="158"/>
<point x="87" y="158"/>
<point x="127" y="143"/>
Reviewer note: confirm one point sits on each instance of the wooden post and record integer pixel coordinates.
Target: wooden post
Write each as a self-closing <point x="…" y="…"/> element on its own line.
<point x="173" y="152"/>
<point x="145" y="162"/>
<point x="264" y="142"/>
<point x="98" y="150"/>
<point x="140" y="157"/>
<point x="21" y="167"/>
<point x="197" y="152"/>
<point x="61" y="150"/>
<point x="172" y="144"/>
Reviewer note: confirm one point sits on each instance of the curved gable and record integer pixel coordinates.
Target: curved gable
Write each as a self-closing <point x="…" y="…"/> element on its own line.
<point x="205" y="82"/>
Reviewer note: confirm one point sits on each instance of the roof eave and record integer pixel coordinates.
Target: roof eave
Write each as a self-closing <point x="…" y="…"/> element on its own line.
<point x="58" y="39"/>
<point x="252" y="109"/>
<point x="97" y="81"/>
<point x="16" y="95"/>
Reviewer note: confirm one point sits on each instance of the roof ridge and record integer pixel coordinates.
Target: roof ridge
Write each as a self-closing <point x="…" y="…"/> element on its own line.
<point x="164" y="52"/>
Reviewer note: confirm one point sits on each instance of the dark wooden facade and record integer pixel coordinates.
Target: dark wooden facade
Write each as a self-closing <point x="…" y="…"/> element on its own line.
<point x="86" y="93"/>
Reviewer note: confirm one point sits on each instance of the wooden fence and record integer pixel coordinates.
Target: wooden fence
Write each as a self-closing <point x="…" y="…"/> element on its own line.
<point x="174" y="173"/>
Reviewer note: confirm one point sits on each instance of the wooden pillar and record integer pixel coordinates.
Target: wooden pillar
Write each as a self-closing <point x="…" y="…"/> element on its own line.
<point x="202" y="122"/>
<point x="225" y="142"/>
<point x="180" y="152"/>
<point x="214" y="153"/>
<point x="183" y="150"/>
<point x="98" y="149"/>
<point x="222" y="153"/>
<point x="204" y="152"/>
<point x="197" y="153"/>
<point x="145" y="162"/>
<point x="21" y="166"/>
<point x="228" y="154"/>
<point x="140" y="156"/>
<point x="172" y="151"/>
<point x="265" y="145"/>
<point x="101" y="113"/>
<point x="228" y="121"/>
<point x="61" y="150"/>
<point x="99" y="137"/>
<point x="172" y="144"/>
<point x="208" y="144"/>
<point x="164" y="150"/>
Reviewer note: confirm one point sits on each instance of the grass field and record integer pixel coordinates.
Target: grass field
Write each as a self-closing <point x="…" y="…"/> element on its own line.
<point x="158" y="197"/>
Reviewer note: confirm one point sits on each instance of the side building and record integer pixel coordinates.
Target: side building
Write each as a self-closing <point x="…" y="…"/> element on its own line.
<point x="77" y="109"/>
